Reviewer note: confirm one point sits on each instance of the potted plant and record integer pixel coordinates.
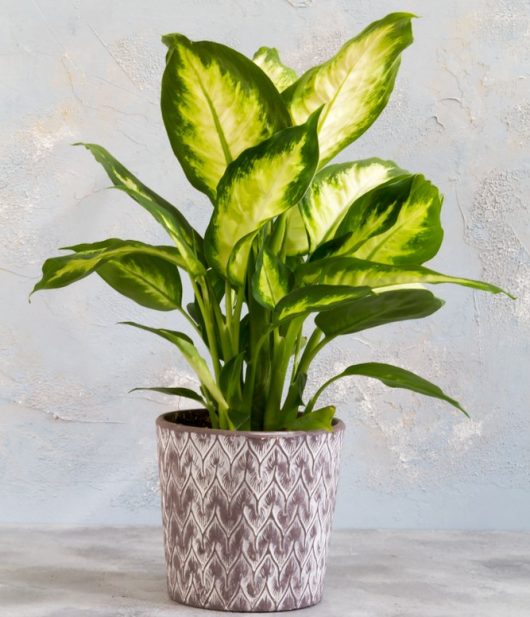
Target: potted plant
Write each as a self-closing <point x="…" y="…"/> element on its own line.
<point x="248" y="480"/>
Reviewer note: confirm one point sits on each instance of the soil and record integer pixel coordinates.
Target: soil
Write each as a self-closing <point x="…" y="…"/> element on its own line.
<point x="190" y="417"/>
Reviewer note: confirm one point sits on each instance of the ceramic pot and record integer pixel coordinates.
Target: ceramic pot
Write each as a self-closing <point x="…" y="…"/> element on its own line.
<point x="247" y="515"/>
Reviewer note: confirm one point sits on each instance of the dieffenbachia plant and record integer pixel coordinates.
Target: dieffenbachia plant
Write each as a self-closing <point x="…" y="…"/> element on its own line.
<point x="291" y="237"/>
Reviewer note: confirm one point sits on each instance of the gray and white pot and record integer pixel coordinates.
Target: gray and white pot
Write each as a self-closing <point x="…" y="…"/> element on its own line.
<point x="247" y="515"/>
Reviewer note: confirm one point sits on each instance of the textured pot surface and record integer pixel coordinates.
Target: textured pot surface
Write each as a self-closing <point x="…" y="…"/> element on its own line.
<point x="247" y="516"/>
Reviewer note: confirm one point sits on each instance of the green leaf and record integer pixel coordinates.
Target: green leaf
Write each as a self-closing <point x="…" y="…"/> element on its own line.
<point x="216" y="103"/>
<point x="377" y="310"/>
<point x="268" y="59"/>
<point x="187" y="240"/>
<point x="396" y="223"/>
<point x="270" y="282"/>
<point x="355" y="84"/>
<point x="230" y="381"/>
<point x="146" y="274"/>
<point x="358" y="272"/>
<point x="335" y="188"/>
<point x="315" y="298"/>
<point x="182" y="392"/>
<point x="394" y="377"/>
<point x="239" y="419"/>
<point x="263" y="182"/>
<point x="195" y="360"/>
<point x="320" y="419"/>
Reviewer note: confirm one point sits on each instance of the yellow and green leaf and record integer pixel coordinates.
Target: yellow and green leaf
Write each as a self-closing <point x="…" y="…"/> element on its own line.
<point x="359" y="272"/>
<point x="149" y="280"/>
<point x="187" y="240"/>
<point x="316" y="298"/>
<point x="268" y="59"/>
<point x="395" y="223"/>
<point x="147" y="274"/>
<point x="354" y="85"/>
<point x="333" y="191"/>
<point x="270" y="281"/>
<point x="262" y="183"/>
<point x="295" y="240"/>
<point x="216" y="103"/>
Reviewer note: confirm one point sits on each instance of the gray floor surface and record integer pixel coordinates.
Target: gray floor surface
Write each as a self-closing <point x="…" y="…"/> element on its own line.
<point x="119" y="572"/>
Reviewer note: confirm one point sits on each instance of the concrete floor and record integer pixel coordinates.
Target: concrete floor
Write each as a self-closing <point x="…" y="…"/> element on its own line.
<point x="119" y="572"/>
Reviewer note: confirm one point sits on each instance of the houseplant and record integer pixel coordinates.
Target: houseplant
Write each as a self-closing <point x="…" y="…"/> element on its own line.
<point x="248" y="482"/>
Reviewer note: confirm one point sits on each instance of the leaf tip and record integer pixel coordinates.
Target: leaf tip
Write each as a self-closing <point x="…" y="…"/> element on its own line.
<point x="464" y="412"/>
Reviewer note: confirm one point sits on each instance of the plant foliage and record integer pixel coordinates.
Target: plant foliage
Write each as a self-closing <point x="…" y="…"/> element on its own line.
<point x="292" y="241"/>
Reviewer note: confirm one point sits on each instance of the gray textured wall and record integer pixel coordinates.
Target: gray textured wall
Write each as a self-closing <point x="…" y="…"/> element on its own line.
<point x="74" y="446"/>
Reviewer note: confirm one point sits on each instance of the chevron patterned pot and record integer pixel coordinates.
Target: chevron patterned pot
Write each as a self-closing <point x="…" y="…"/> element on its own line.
<point x="247" y="515"/>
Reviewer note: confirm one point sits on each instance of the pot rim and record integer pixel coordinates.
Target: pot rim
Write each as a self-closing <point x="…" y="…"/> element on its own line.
<point x="163" y="422"/>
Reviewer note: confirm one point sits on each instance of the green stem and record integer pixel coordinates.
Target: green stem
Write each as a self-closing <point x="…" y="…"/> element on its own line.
<point x="228" y="306"/>
<point x="252" y="367"/>
<point x="210" y="335"/>
<point x="298" y="346"/>
<point x="316" y="350"/>
<point x="280" y="361"/>
<point x="236" y="318"/>
<point x="313" y="346"/>
<point x="191" y="321"/>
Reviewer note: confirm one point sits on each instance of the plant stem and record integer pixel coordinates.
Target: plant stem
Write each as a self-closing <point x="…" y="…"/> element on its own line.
<point x="191" y="321"/>
<point x="252" y="367"/>
<point x="313" y="346"/>
<point x="207" y="318"/>
<point x="298" y="346"/>
<point x="228" y="306"/>
<point x="280" y="364"/>
<point x="236" y="318"/>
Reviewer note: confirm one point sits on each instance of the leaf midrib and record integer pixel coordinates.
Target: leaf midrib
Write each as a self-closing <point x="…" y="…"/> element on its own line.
<point x="217" y="122"/>
<point x="139" y="277"/>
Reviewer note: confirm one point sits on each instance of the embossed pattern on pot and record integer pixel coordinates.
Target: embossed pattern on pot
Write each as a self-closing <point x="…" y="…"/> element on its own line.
<point x="247" y="516"/>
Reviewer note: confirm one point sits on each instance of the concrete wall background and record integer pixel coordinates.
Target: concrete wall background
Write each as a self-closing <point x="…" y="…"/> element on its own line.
<point x="74" y="446"/>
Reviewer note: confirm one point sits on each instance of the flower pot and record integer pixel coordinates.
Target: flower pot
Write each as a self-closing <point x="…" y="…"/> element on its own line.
<point x="247" y="515"/>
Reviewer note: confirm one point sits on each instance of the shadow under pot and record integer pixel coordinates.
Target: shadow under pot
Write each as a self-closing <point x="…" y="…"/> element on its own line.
<point x="247" y="515"/>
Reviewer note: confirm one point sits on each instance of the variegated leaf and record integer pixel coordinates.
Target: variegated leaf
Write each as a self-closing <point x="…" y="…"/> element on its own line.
<point x="149" y="280"/>
<point x="354" y="85"/>
<point x="335" y="188"/>
<point x="359" y="272"/>
<point x="215" y="104"/>
<point x="87" y="258"/>
<point x="395" y="223"/>
<point x="262" y="183"/>
<point x="295" y="241"/>
<point x="270" y="282"/>
<point x="377" y="310"/>
<point x="316" y="298"/>
<point x="187" y="240"/>
<point x="268" y="59"/>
